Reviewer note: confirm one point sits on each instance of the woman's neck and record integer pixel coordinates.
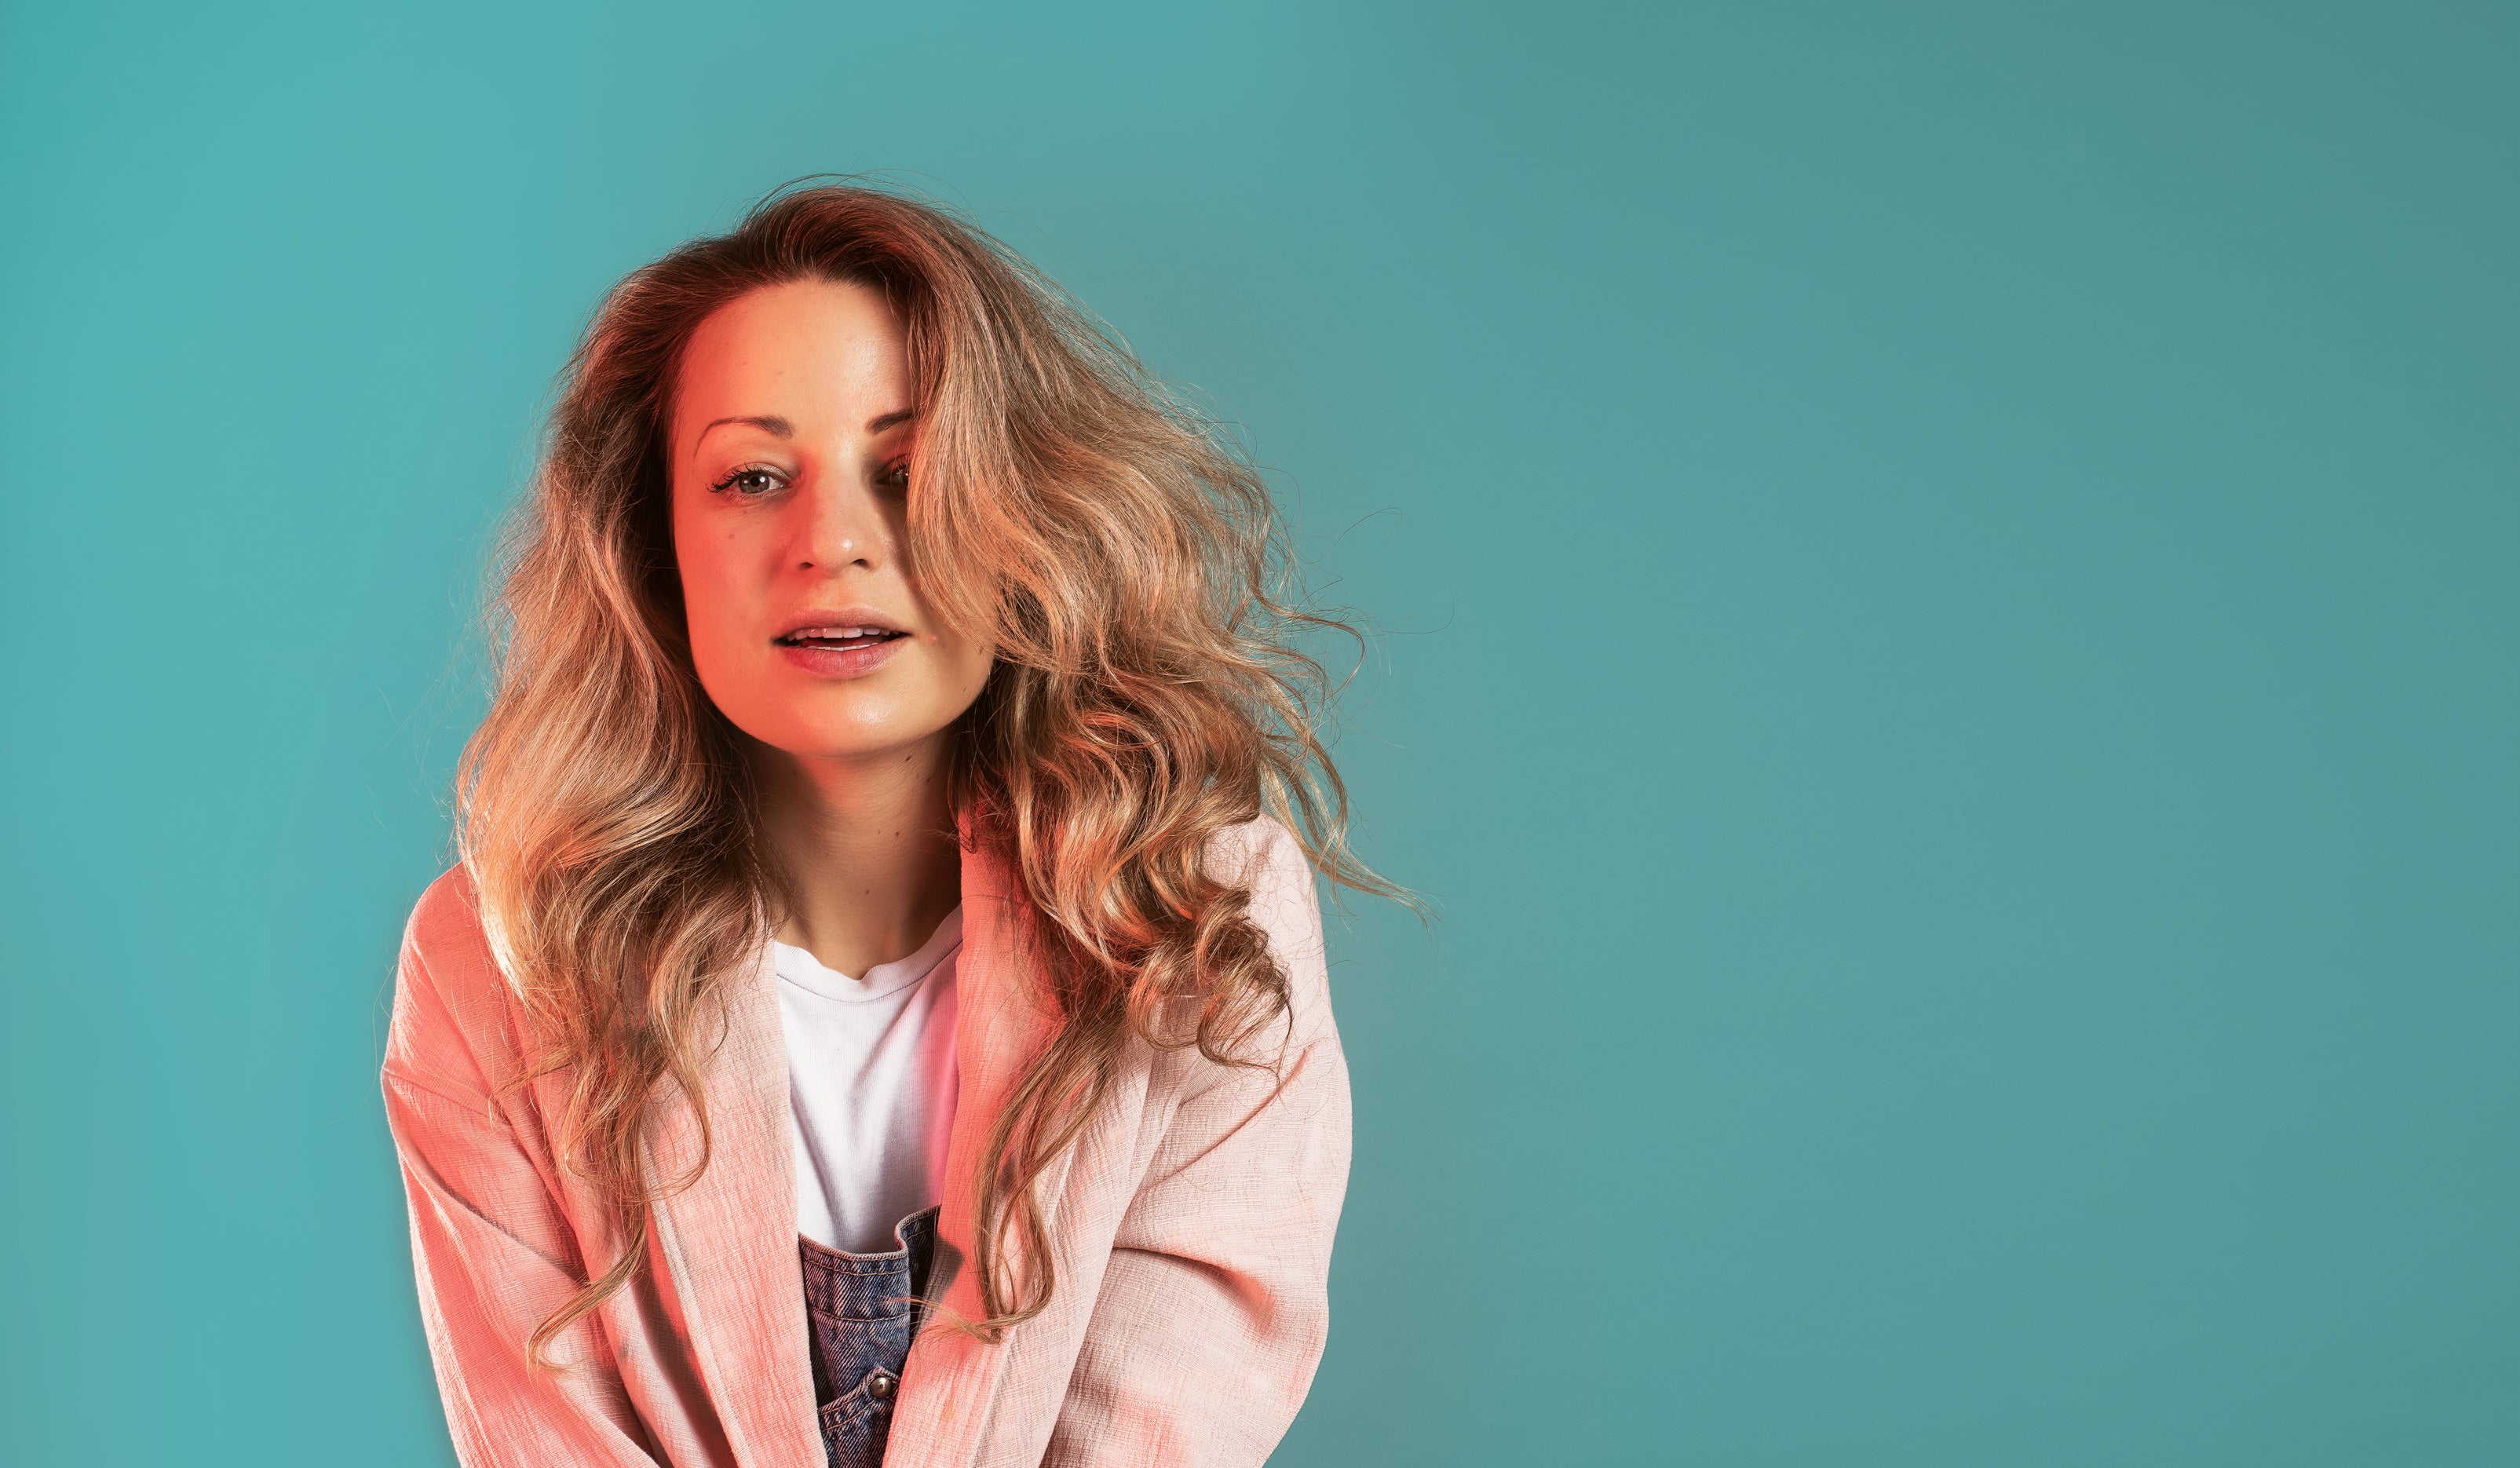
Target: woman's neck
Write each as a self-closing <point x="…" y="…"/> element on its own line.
<point x="865" y="849"/>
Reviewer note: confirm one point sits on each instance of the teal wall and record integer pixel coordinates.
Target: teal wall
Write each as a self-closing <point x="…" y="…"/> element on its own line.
<point x="1949" y="598"/>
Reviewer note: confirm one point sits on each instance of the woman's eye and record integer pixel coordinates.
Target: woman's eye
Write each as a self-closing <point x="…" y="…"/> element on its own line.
<point x="748" y="482"/>
<point x="896" y="477"/>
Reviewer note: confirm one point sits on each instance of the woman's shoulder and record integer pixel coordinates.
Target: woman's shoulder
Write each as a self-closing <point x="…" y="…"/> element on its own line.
<point x="1264" y="858"/>
<point x="445" y="936"/>
<point x="445" y="909"/>
<point x="1260" y="850"/>
<point x="453" y="1022"/>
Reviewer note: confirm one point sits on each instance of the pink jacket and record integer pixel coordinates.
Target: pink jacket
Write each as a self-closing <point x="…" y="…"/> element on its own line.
<point x="1193" y="1221"/>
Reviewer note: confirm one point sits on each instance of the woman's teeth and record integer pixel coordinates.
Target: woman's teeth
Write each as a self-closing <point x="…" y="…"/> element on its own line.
<point x="840" y="635"/>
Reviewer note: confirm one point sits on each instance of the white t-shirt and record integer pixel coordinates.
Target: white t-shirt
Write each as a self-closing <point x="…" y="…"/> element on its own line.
<point x="871" y="1079"/>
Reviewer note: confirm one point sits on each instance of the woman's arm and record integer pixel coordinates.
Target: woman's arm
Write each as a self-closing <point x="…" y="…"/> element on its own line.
<point x="491" y="1249"/>
<point x="1214" y="1309"/>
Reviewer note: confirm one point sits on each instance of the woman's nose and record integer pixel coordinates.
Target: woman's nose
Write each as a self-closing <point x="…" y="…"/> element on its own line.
<point x="842" y="528"/>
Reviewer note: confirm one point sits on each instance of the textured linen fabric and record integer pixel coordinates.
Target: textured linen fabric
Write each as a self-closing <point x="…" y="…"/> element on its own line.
<point x="1190" y="1222"/>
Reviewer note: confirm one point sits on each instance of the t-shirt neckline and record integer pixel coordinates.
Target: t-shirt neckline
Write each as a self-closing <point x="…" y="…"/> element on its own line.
<point x="798" y="966"/>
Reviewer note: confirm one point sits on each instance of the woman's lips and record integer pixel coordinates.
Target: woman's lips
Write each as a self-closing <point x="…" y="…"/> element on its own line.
<point x="840" y="656"/>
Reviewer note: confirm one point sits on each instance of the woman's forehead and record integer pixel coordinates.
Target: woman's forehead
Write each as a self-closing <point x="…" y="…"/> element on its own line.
<point x="816" y="356"/>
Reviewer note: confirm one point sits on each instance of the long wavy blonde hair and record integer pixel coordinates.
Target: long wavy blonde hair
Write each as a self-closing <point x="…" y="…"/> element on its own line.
<point x="1065" y="506"/>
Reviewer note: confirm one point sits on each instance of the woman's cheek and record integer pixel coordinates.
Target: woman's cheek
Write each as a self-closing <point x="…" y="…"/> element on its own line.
<point x="713" y="617"/>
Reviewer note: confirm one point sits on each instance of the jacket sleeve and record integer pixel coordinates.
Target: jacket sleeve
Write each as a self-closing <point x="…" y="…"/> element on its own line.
<point x="1214" y="1309"/>
<point x="492" y="1252"/>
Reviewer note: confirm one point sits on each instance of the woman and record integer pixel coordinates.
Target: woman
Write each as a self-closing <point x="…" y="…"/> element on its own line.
<point x="880" y="1013"/>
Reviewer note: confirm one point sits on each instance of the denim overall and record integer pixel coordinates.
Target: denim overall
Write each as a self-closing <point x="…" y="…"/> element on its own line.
<point x="859" y="1325"/>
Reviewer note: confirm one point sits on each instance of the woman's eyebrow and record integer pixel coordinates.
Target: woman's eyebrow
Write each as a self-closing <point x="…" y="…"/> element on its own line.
<point x="780" y="428"/>
<point x="777" y="427"/>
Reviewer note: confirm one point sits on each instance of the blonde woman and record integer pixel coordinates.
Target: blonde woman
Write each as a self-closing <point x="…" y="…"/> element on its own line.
<point x="880" y="1012"/>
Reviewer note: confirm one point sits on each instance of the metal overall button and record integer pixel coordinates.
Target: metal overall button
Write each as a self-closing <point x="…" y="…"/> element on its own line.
<point x="881" y="1384"/>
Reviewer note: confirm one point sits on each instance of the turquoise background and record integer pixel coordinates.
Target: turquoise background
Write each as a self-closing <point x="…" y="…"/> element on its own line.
<point x="1948" y="577"/>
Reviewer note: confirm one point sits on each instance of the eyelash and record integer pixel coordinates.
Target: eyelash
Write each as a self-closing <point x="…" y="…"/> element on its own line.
<point x="896" y="475"/>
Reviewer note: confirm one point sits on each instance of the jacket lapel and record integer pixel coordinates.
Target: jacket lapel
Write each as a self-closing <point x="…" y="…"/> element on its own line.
<point x="729" y="1239"/>
<point x="951" y="1381"/>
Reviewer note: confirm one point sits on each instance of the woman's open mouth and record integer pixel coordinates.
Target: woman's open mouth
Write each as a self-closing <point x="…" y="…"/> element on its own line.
<point x="839" y="650"/>
<point x="840" y="638"/>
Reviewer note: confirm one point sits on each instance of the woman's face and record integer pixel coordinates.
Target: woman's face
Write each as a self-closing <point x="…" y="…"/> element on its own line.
<point x="790" y="441"/>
